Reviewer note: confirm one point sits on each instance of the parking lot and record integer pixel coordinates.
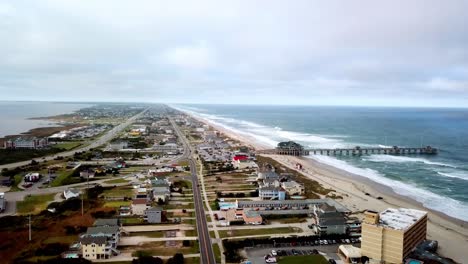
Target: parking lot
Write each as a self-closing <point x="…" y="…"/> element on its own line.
<point x="329" y="250"/>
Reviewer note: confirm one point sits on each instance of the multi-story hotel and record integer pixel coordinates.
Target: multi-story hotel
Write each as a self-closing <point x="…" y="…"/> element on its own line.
<point x="390" y="236"/>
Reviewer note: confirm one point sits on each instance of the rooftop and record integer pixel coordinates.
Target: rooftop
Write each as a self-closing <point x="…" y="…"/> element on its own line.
<point x="87" y="240"/>
<point x="401" y="218"/>
<point x="106" y="222"/>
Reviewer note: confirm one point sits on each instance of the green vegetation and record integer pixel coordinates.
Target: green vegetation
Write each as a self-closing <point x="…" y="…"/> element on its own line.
<point x="61" y="239"/>
<point x="116" y="204"/>
<point x="34" y="204"/>
<point x="316" y="259"/>
<point x="67" y="145"/>
<point x="17" y="180"/>
<point x="217" y="253"/>
<point x="115" y="181"/>
<point x="132" y="221"/>
<point x="64" y="177"/>
<point x="260" y="231"/>
<point x="119" y="192"/>
<point x="12" y="155"/>
<point x="154" y="234"/>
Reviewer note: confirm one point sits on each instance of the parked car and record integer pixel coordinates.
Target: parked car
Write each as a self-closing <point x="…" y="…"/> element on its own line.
<point x="274" y="253"/>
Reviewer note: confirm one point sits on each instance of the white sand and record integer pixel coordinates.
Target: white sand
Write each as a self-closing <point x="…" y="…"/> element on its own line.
<point x="451" y="233"/>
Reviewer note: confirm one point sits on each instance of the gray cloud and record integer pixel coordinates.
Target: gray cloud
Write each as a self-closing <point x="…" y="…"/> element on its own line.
<point x="301" y="52"/>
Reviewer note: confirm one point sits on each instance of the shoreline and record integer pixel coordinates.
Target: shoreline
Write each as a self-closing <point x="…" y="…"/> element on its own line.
<point x="452" y="233"/>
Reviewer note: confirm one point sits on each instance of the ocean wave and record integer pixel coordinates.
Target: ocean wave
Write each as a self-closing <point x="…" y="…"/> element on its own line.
<point x="402" y="159"/>
<point x="458" y="175"/>
<point x="429" y="199"/>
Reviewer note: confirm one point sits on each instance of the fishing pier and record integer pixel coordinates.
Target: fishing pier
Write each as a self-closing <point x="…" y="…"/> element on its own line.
<point x="294" y="149"/>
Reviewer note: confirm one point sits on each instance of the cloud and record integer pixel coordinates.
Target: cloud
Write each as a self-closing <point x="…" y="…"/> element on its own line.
<point x="197" y="56"/>
<point x="307" y="52"/>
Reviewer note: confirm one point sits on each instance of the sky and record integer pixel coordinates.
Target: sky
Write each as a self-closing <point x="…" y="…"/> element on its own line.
<point x="384" y="53"/>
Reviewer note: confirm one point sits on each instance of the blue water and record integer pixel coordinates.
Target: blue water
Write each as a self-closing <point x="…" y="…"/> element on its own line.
<point x="439" y="182"/>
<point x="14" y="116"/>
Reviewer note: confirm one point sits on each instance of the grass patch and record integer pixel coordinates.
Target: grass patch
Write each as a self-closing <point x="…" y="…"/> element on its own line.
<point x="262" y="231"/>
<point x="132" y="221"/>
<point x="61" y="239"/>
<point x="316" y="259"/>
<point x="67" y="145"/>
<point x="160" y="249"/>
<point x="120" y="180"/>
<point x="119" y="192"/>
<point x="17" y="180"/>
<point x="64" y="178"/>
<point x="116" y="204"/>
<point x="154" y="234"/>
<point x="34" y="204"/>
<point x="217" y="253"/>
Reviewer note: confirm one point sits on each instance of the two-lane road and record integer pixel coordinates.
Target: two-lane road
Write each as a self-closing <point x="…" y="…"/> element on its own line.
<point x="206" y="248"/>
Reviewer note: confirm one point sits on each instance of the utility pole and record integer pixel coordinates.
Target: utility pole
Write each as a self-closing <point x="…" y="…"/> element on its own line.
<point x="82" y="204"/>
<point x="29" y="227"/>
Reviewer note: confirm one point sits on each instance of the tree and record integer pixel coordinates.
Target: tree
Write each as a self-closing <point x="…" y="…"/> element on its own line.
<point x="178" y="258"/>
<point x="147" y="260"/>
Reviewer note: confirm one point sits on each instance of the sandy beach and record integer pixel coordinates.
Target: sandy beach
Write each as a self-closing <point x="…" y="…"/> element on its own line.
<point x="360" y="194"/>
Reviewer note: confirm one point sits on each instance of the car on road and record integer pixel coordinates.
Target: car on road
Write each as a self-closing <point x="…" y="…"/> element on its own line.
<point x="274" y="253"/>
<point x="270" y="259"/>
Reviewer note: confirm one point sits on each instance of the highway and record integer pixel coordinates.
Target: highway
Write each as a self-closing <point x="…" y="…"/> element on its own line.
<point x="206" y="248"/>
<point x="98" y="142"/>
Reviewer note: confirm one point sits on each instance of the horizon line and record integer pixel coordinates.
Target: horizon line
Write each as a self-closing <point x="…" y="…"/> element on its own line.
<point x="239" y="104"/>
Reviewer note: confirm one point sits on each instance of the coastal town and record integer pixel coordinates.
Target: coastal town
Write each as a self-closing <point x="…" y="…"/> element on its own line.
<point x="135" y="183"/>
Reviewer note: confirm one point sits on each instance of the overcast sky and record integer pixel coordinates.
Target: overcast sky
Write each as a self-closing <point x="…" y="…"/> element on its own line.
<point x="249" y="52"/>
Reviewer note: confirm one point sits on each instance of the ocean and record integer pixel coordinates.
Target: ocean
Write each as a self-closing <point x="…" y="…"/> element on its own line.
<point x="439" y="182"/>
<point x="14" y="116"/>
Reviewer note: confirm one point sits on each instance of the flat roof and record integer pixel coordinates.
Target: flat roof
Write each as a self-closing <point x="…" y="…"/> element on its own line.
<point x="400" y="218"/>
<point x="350" y="251"/>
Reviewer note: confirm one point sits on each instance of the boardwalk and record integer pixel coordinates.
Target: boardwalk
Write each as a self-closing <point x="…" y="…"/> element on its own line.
<point x="357" y="151"/>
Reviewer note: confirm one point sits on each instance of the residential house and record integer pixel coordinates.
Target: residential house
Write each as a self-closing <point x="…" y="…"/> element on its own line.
<point x="293" y="188"/>
<point x="329" y="221"/>
<point x="154" y="215"/>
<point x="93" y="248"/>
<point x="243" y="162"/>
<point x="112" y="233"/>
<point x="161" y="193"/>
<point x="106" y="222"/>
<point x="272" y="193"/>
<point x="262" y="175"/>
<point x="139" y="206"/>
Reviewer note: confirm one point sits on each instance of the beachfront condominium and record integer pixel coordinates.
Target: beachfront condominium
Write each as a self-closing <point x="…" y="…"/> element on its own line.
<point x="389" y="236"/>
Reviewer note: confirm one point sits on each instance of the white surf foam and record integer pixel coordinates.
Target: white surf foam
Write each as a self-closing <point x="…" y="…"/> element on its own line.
<point x="458" y="175"/>
<point x="429" y="199"/>
<point x="272" y="135"/>
<point x="402" y="159"/>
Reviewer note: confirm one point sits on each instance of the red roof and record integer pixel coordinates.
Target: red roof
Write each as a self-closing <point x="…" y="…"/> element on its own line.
<point x="240" y="157"/>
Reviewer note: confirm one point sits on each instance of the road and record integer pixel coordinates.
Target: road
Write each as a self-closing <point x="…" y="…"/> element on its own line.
<point x="98" y="142"/>
<point x="206" y="248"/>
